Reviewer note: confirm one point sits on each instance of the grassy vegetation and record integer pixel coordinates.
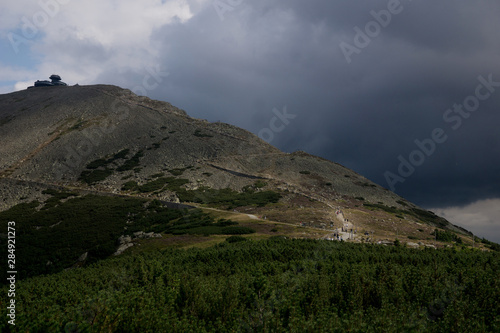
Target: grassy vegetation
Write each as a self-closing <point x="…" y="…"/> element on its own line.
<point x="276" y="285"/>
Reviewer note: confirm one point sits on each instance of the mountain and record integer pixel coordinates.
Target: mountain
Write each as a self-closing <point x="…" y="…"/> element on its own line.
<point x="106" y="141"/>
<point x="121" y="213"/>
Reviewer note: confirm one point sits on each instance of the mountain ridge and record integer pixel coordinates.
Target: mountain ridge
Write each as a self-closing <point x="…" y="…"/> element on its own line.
<point x="104" y="138"/>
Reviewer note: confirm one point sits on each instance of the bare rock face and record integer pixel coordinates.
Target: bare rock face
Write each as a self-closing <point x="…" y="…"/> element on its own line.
<point x="122" y="248"/>
<point x="124" y="239"/>
<point x="83" y="257"/>
<point x="145" y="235"/>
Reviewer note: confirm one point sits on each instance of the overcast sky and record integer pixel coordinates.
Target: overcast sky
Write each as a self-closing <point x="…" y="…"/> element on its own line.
<point x="406" y="93"/>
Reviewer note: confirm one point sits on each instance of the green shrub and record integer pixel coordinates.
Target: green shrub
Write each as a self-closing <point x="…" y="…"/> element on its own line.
<point x="236" y="230"/>
<point x="131" y="163"/>
<point x="153" y="185"/>
<point x="491" y="245"/>
<point x="94" y="176"/>
<point x="120" y="155"/>
<point x="130" y="186"/>
<point x="177" y="172"/>
<point x="97" y="164"/>
<point x="446" y="236"/>
<point x="225" y="223"/>
<point x="235" y="239"/>
<point x="157" y="175"/>
<point x="260" y="184"/>
<point x="383" y="207"/>
<point x="428" y="217"/>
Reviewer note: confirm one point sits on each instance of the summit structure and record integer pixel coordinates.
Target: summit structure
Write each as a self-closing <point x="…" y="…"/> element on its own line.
<point x="55" y="81"/>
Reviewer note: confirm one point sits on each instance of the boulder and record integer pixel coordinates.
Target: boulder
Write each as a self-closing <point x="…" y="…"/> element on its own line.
<point x="412" y="245"/>
<point x="122" y="248"/>
<point x="124" y="239"/>
<point x="83" y="256"/>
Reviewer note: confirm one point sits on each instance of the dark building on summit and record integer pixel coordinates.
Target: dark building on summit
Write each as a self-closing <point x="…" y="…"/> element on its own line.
<point x="55" y="81"/>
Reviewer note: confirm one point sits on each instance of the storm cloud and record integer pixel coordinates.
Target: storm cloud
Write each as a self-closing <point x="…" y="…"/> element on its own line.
<point x="368" y="82"/>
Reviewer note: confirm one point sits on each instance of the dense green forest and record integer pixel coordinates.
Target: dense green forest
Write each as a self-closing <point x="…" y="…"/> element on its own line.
<point x="274" y="285"/>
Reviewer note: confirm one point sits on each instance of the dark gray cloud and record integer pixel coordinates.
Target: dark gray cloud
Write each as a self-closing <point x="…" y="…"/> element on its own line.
<point x="362" y="114"/>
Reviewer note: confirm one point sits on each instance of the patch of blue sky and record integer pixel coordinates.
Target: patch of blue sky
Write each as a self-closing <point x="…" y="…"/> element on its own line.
<point x="17" y="48"/>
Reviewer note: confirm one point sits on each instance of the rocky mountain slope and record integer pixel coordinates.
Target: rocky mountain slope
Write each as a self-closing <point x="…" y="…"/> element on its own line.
<point x="104" y="139"/>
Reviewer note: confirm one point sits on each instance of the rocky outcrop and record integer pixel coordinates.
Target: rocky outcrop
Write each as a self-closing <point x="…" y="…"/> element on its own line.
<point x="126" y="241"/>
